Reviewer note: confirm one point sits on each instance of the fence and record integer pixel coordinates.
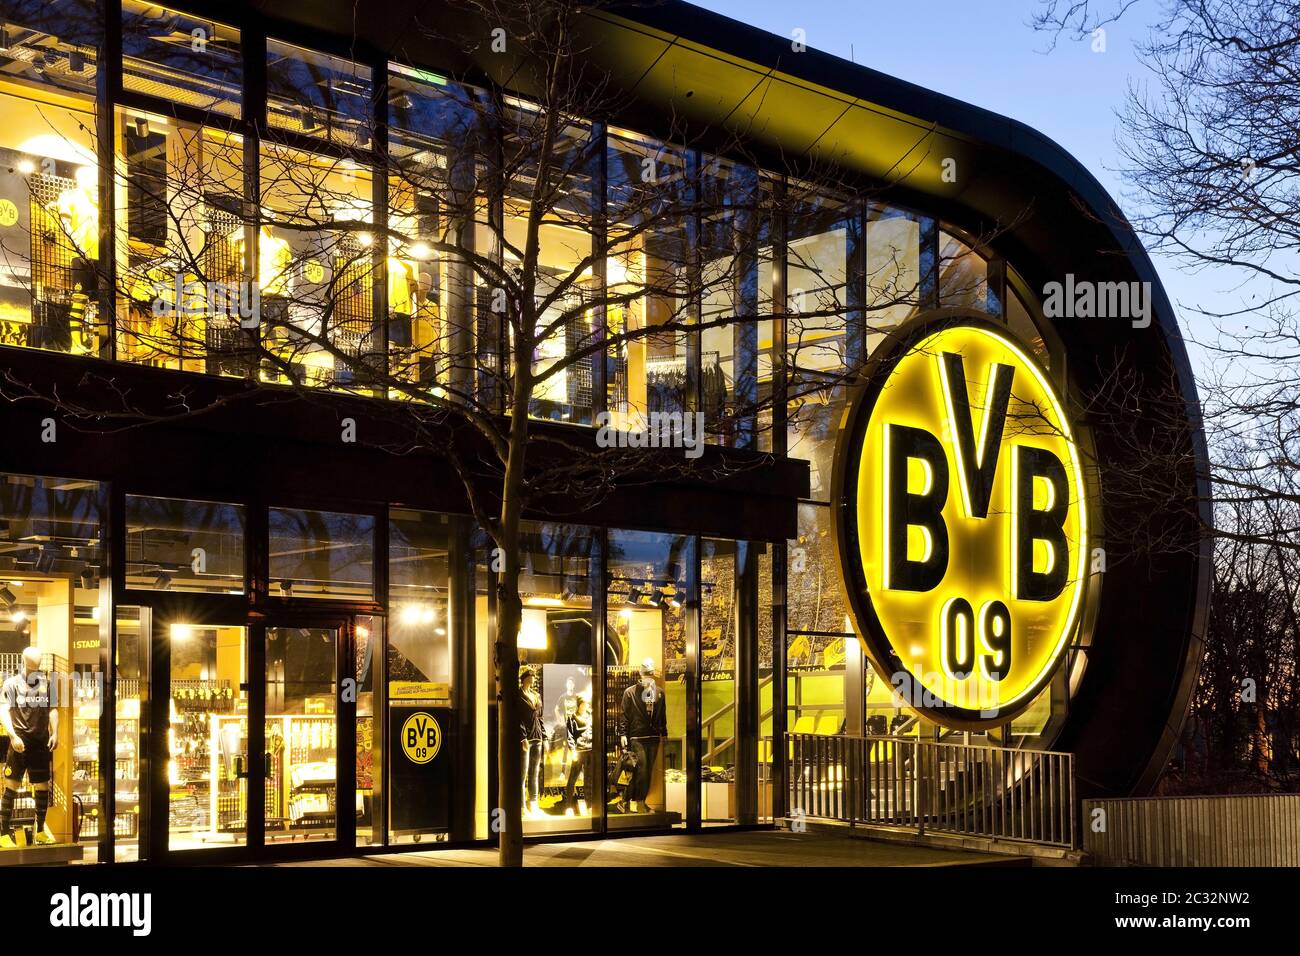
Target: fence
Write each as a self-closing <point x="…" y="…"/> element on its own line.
<point x="1248" y="830"/>
<point x="977" y="790"/>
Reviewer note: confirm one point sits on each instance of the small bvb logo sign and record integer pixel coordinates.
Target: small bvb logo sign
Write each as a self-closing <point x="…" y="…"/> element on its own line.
<point x="8" y="213"/>
<point x="421" y="737"/>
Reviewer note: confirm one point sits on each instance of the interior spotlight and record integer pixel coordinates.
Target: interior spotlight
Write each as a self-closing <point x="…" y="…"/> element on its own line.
<point x="286" y="589"/>
<point x="39" y="64"/>
<point x="88" y="579"/>
<point x="7" y="598"/>
<point x="4" y="40"/>
<point x="634" y="595"/>
<point x="308" y="121"/>
<point x="162" y="581"/>
<point x="76" y="61"/>
<point x="141" y="127"/>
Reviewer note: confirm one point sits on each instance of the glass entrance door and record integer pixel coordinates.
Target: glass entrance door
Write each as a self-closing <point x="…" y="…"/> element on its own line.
<point x="207" y="737"/>
<point x="302" y="734"/>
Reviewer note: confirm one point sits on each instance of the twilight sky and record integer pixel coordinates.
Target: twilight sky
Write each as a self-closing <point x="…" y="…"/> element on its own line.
<point x="985" y="53"/>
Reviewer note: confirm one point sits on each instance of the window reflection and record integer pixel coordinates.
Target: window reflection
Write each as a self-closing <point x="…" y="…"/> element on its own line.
<point x="178" y="545"/>
<point x="181" y="57"/>
<point x="318" y="95"/>
<point x="321" y="554"/>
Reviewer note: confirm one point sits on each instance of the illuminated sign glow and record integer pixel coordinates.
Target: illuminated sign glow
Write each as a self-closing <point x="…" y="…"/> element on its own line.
<point x="963" y="523"/>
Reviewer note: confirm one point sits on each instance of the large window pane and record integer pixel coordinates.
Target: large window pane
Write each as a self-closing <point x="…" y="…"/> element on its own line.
<point x="898" y="269"/>
<point x="131" y="672"/>
<point x="823" y="240"/>
<point x="719" y="744"/>
<point x="963" y="275"/>
<point x="322" y="554"/>
<point x="814" y="601"/>
<point x="562" y="780"/>
<point x="184" y="299"/>
<point x="52" y="44"/>
<point x="565" y="289"/>
<point x="318" y="95"/>
<point x="650" y="202"/>
<point x="438" y="145"/>
<point x="646" y="678"/>
<point x="816" y="407"/>
<point x="49" y="195"/>
<point x="178" y="545"/>
<point x="49" y="600"/>
<point x="315" y="269"/>
<point x="180" y="57"/>
<point x="736" y="335"/>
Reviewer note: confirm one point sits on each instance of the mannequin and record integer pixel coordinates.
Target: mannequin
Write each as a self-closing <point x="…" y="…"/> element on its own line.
<point x="577" y="727"/>
<point x="532" y="733"/>
<point x="33" y="729"/>
<point x="644" y="726"/>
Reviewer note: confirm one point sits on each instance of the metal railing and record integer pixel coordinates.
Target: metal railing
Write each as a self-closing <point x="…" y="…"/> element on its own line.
<point x="978" y="790"/>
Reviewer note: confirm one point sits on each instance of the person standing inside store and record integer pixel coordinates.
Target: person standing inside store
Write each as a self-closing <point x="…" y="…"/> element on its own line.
<point x="33" y="729"/>
<point x="532" y="735"/>
<point x="645" y="725"/>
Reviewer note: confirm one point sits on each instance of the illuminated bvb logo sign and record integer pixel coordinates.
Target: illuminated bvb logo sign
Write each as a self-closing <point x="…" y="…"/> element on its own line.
<point x="962" y="523"/>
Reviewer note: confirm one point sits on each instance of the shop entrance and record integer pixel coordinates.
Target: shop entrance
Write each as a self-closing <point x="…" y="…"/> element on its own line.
<point x="260" y="735"/>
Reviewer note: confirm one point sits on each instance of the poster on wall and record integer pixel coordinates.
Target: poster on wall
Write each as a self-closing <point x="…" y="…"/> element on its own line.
<point x="421" y="758"/>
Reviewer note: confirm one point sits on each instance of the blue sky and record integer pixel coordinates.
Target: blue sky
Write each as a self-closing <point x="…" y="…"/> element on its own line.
<point x="986" y="53"/>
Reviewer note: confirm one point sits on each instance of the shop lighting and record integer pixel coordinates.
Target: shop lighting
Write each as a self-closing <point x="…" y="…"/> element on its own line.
<point x="162" y="581"/>
<point x="634" y="596"/>
<point x="181" y="632"/>
<point x="76" y="61"/>
<point x="4" y="40"/>
<point x="543" y="602"/>
<point x="141" y="127"/>
<point x="7" y="598"/>
<point x="625" y="613"/>
<point x="26" y="167"/>
<point x="440" y="631"/>
<point x="421" y="250"/>
<point x="17" y="617"/>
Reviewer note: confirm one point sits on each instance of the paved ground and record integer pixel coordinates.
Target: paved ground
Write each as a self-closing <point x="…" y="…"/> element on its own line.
<point x="758" y="848"/>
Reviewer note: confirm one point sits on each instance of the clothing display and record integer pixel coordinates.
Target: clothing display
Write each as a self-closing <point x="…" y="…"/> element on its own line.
<point x="645" y="724"/>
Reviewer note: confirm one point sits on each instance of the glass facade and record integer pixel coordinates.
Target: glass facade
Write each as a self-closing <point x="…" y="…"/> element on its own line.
<point x="649" y="659"/>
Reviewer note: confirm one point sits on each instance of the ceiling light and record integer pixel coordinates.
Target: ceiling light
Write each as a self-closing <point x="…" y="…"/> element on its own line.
<point x="162" y="581"/>
<point x="26" y="167"/>
<point x="17" y="617"/>
<point x="141" y="127"/>
<point x="7" y="598"/>
<point x="76" y="61"/>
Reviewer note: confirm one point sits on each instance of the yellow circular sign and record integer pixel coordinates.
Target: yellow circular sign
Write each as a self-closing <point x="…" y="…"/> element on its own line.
<point x="313" y="271"/>
<point x="421" y="737"/>
<point x="8" y="212"/>
<point x="962" y="522"/>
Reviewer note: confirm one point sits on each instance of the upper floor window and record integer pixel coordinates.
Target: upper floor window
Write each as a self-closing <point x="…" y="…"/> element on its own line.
<point x="181" y="58"/>
<point x="318" y="95"/>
